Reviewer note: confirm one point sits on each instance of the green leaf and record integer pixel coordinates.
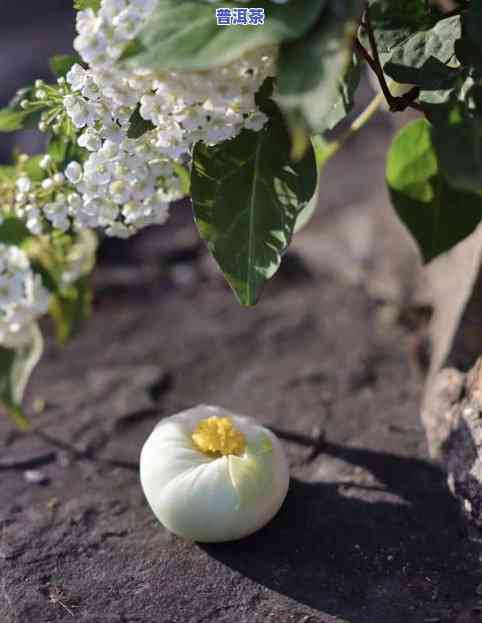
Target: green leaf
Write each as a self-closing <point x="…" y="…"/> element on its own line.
<point x="138" y="126"/>
<point x="13" y="232"/>
<point x="16" y="366"/>
<point x="395" y="21"/>
<point x="184" y="176"/>
<point x="184" y="35"/>
<point x="437" y="215"/>
<point x="316" y="74"/>
<point x="324" y="150"/>
<point x="70" y="308"/>
<point x="12" y="120"/>
<point x="247" y="195"/>
<point x="61" y="64"/>
<point x="63" y="149"/>
<point x="82" y="5"/>
<point x="33" y="169"/>
<point x="457" y="139"/>
<point x="422" y="57"/>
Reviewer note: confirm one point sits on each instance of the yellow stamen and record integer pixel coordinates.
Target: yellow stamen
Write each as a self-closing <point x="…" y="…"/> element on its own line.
<point x="218" y="436"/>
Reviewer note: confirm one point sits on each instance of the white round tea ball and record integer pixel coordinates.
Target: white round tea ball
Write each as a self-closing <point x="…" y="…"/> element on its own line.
<point x="210" y="475"/>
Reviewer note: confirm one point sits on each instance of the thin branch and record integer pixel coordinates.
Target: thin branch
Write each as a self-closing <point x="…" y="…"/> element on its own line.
<point x="395" y="104"/>
<point x="377" y="67"/>
<point x="364" y="54"/>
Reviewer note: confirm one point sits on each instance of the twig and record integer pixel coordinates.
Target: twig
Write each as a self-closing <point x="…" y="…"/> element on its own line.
<point x="377" y="67"/>
<point x="395" y="104"/>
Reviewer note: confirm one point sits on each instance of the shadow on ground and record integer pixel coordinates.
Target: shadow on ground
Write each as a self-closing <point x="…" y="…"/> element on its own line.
<point x="344" y="555"/>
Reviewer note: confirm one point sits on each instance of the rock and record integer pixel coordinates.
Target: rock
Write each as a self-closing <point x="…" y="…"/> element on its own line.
<point x="452" y="403"/>
<point x="453" y="420"/>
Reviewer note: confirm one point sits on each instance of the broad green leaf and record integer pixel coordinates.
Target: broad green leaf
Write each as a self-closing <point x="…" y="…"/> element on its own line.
<point x="345" y="93"/>
<point x="420" y="59"/>
<point x="437" y="215"/>
<point x="13" y="232"/>
<point x="457" y="138"/>
<point x="61" y="64"/>
<point x="395" y="21"/>
<point x="247" y="195"/>
<point x="323" y="152"/>
<point x="184" y="35"/>
<point x="16" y="366"/>
<point x="315" y="80"/>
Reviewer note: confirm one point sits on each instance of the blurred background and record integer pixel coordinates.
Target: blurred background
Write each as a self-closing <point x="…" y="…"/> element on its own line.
<point x="30" y="32"/>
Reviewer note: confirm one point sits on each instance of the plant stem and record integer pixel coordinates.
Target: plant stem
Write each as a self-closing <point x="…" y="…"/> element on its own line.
<point x="396" y="104"/>
<point x="356" y="125"/>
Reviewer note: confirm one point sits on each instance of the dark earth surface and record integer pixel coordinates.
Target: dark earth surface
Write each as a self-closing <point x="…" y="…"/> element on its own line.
<point x="331" y="359"/>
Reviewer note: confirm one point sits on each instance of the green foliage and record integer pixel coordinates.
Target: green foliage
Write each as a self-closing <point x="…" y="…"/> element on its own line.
<point x="7" y="173"/>
<point x="317" y="75"/>
<point x="138" y="125"/>
<point x="457" y="137"/>
<point x="63" y="149"/>
<point x="250" y="194"/>
<point x="12" y="120"/>
<point x="324" y="150"/>
<point x="183" y="34"/>
<point x="247" y="195"/>
<point x="13" y="232"/>
<point x="33" y="169"/>
<point x="437" y="215"/>
<point x="61" y="64"/>
<point x="82" y="5"/>
<point x="16" y="366"/>
<point x="70" y="308"/>
<point x="52" y="257"/>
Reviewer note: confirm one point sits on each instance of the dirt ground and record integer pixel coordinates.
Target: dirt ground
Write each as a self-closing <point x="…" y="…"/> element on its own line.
<point x="331" y="358"/>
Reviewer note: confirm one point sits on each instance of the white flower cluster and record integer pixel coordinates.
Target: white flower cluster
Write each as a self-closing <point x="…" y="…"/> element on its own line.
<point x="128" y="183"/>
<point x="23" y="298"/>
<point x="37" y="202"/>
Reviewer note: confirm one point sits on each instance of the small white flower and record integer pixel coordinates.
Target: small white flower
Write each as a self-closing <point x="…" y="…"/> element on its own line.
<point x="77" y="77"/>
<point x="23" y="298"/>
<point x="73" y="172"/>
<point x="45" y="162"/>
<point x="58" y="179"/>
<point x="24" y="184"/>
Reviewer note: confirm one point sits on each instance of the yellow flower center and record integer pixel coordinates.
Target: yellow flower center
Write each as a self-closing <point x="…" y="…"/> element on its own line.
<point x="218" y="436"/>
